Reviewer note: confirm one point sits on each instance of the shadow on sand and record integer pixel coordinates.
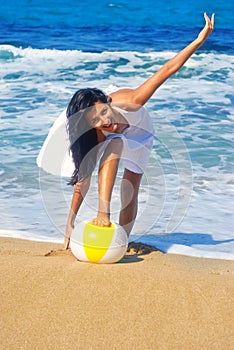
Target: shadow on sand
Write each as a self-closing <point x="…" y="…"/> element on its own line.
<point x="190" y="240"/>
<point x="135" y="252"/>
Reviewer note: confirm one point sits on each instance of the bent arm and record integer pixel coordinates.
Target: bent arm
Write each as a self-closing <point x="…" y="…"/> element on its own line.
<point x="142" y="93"/>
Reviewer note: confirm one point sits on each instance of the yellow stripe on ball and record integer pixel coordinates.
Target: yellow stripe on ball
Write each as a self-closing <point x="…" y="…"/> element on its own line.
<point x="96" y="240"/>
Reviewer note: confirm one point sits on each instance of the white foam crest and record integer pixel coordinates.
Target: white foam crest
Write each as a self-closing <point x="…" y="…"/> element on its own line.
<point x="28" y="236"/>
<point x="66" y="57"/>
<point x="36" y="67"/>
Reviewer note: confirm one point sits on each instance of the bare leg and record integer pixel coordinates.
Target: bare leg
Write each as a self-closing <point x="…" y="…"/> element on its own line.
<point x="129" y="199"/>
<point x="107" y="174"/>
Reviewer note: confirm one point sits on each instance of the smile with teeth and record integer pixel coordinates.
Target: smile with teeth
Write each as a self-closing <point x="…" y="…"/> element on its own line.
<point x="106" y="126"/>
<point x="110" y="125"/>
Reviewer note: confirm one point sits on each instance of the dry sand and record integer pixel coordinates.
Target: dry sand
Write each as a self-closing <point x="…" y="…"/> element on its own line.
<point x="149" y="300"/>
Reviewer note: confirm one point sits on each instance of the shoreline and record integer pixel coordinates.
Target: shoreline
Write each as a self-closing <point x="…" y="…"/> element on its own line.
<point x="165" y="246"/>
<point x="148" y="300"/>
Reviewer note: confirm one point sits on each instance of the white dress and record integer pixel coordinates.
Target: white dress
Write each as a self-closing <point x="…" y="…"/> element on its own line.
<point x="137" y="139"/>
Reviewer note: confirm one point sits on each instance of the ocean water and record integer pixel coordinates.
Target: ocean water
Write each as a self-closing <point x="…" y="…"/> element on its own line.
<point x="50" y="49"/>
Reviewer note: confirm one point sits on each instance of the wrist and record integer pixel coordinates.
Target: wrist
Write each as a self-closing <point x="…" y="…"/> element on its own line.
<point x="103" y="213"/>
<point x="104" y="207"/>
<point x="71" y="219"/>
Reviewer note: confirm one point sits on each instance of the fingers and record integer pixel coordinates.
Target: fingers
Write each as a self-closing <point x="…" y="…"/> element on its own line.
<point x="101" y="221"/>
<point x="66" y="244"/>
<point x="212" y="19"/>
<point x="209" y="21"/>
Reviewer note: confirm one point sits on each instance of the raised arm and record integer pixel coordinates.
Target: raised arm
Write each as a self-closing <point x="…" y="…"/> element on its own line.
<point x="141" y="94"/>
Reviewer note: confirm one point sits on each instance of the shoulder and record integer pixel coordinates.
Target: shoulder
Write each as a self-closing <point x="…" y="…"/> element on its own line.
<point x="125" y="99"/>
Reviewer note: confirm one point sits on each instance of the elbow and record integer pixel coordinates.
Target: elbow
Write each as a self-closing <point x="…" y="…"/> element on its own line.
<point x="139" y="99"/>
<point x="170" y="69"/>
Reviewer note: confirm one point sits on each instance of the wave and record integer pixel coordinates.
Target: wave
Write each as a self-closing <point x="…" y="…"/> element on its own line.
<point x="68" y="65"/>
<point x="99" y="38"/>
<point x="9" y="51"/>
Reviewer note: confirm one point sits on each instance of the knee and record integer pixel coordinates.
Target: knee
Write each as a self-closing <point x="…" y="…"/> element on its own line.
<point x="112" y="152"/>
<point x="115" y="146"/>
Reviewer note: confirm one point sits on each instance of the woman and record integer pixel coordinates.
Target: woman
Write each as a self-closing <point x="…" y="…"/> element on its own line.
<point x="116" y="126"/>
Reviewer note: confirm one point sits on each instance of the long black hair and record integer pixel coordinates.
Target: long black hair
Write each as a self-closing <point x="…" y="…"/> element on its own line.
<point x="83" y="138"/>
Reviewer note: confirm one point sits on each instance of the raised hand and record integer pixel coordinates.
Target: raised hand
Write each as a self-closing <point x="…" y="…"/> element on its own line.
<point x="208" y="28"/>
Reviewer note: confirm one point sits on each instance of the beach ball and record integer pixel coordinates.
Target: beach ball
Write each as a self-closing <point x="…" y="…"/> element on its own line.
<point x="97" y="244"/>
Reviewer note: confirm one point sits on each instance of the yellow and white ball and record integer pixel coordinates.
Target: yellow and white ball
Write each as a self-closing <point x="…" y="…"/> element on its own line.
<point x="97" y="244"/>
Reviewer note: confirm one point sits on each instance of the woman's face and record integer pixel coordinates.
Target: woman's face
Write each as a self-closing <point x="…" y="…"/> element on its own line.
<point x="102" y="117"/>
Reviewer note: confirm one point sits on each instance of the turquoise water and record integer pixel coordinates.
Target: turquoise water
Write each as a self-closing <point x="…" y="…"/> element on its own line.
<point x="48" y="50"/>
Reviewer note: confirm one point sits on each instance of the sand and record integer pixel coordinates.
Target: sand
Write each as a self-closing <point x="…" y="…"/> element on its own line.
<point x="149" y="300"/>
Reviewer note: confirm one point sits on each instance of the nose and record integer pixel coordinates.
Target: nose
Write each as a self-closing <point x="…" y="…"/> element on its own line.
<point x="105" y="120"/>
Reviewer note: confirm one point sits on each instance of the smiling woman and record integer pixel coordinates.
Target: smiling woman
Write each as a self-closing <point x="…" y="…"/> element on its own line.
<point x="104" y="130"/>
<point x="97" y="121"/>
<point x="104" y="117"/>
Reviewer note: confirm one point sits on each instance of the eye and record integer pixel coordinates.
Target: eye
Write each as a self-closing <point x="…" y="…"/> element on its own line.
<point x="94" y="121"/>
<point x="104" y="111"/>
